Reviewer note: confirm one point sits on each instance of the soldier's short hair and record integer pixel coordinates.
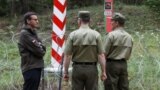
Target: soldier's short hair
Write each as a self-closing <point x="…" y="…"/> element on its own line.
<point x="84" y="16"/>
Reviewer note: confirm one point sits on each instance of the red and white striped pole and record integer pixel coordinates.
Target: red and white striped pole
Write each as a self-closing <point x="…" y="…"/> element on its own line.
<point x="108" y="11"/>
<point x="58" y="34"/>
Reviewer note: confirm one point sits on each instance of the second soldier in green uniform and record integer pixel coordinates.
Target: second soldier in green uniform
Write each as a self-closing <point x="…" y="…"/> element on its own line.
<point x="118" y="47"/>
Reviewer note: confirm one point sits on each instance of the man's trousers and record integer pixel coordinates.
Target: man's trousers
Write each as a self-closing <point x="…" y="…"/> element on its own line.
<point x="85" y="77"/>
<point x="32" y="79"/>
<point x="117" y="75"/>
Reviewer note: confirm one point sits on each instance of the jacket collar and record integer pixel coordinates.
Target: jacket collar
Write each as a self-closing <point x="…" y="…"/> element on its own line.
<point x="29" y="29"/>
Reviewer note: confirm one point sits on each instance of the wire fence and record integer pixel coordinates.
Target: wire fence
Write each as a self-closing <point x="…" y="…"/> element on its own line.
<point x="144" y="65"/>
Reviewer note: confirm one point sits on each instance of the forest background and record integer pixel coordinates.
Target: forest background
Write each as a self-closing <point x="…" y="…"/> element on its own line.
<point x="143" y="23"/>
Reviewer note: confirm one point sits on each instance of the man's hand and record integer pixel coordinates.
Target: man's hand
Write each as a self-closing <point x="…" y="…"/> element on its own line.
<point x="103" y="76"/>
<point x="67" y="59"/>
<point x="102" y="62"/>
<point x="65" y="77"/>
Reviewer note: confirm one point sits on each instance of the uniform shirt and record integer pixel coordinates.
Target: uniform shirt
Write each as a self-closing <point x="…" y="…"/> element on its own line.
<point x="118" y="44"/>
<point x="84" y="45"/>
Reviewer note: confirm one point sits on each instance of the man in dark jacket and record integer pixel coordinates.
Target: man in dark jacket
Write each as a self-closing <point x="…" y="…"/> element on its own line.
<point x="31" y="51"/>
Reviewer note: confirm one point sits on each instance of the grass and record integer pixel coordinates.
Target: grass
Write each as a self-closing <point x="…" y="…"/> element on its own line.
<point x="143" y="66"/>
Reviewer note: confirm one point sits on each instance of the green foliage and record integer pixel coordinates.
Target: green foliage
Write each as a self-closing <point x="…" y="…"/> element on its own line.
<point x="144" y="63"/>
<point x="13" y="7"/>
<point x="3" y="7"/>
<point x="72" y="4"/>
<point x="130" y="2"/>
<point x="97" y="18"/>
<point x="154" y="5"/>
<point x="143" y="67"/>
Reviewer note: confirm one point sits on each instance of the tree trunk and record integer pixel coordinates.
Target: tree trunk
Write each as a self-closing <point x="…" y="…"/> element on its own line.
<point x="12" y="12"/>
<point x="24" y="6"/>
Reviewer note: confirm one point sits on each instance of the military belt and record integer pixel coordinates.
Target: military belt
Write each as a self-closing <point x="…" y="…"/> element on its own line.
<point x="110" y="59"/>
<point x="84" y="63"/>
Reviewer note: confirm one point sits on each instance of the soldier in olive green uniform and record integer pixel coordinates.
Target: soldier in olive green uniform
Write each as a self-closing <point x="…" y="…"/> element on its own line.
<point x="84" y="47"/>
<point x="118" y="47"/>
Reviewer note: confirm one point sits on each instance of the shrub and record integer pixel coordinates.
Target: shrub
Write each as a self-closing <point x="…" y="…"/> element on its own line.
<point x="131" y="2"/>
<point x="154" y="4"/>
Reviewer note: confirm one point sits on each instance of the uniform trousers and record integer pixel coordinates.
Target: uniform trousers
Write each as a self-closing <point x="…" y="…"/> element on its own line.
<point x="85" y="77"/>
<point x="32" y="79"/>
<point x="117" y="75"/>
